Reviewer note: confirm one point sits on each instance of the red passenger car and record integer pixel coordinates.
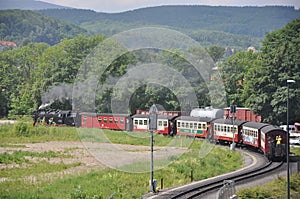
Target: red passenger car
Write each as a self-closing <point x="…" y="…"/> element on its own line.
<point x="88" y="120"/>
<point x="106" y="121"/>
<point x="114" y="121"/>
<point x="164" y="123"/>
<point x="273" y="141"/>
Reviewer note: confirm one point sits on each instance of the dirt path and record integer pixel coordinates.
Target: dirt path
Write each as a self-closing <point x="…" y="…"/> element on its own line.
<point x="91" y="156"/>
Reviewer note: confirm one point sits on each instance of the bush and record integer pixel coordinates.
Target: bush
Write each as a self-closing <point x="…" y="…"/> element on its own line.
<point x="22" y="129"/>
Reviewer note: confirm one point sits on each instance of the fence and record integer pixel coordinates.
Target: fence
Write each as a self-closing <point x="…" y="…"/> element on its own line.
<point x="227" y="191"/>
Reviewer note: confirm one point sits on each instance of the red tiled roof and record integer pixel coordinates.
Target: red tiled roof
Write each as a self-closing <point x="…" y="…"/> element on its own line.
<point x="8" y="43"/>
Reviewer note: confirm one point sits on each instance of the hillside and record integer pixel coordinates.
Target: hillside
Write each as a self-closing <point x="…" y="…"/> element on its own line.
<point x="252" y="21"/>
<point x="22" y="26"/>
<point x="27" y="5"/>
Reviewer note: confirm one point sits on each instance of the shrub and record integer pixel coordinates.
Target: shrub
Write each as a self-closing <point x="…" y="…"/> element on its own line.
<point x="22" y="129"/>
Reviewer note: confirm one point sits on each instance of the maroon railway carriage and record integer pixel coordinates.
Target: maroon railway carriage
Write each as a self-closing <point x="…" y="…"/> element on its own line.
<point x="245" y="114"/>
<point x="225" y="131"/>
<point x="251" y="133"/>
<point x="273" y="142"/>
<point x="115" y="121"/>
<point x="88" y="120"/>
<point x="106" y="121"/>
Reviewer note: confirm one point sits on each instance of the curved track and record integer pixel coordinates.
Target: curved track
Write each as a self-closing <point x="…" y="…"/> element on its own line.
<point x="259" y="166"/>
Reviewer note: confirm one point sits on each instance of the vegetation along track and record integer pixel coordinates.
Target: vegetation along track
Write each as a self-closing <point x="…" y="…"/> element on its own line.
<point x="258" y="167"/>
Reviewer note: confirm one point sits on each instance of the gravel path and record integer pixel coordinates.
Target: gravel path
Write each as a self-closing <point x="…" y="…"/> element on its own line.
<point x="91" y="155"/>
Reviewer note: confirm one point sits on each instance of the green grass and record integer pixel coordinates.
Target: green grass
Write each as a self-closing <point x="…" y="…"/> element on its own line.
<point x="295" y="150"/>
<point x="24" y="132"/>
<point x="34" y="169"/>
<point x="131" y="138"/>
<point x="203" y="159"/>
<point x="272" y="189"/>
<point x="128" y="185"/>
<point x="18" y="157"/>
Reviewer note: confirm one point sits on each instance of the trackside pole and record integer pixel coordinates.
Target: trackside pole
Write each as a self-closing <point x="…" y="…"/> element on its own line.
<point x="152" y="126"/>
<point x="232" y="111"/>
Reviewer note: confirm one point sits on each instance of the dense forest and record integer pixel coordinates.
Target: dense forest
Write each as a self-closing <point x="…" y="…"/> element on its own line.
<point x="23" y="27"/>
<point x="233" y="26"/>
<point x="30" y="74"/>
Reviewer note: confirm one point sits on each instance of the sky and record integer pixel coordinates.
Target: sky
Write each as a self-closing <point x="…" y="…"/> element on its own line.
<point x="112" y="6"/>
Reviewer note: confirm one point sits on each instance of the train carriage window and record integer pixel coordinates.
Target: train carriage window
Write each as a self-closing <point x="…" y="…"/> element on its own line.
<point x="191" y="125"/>
<point x="199" y="125"/>
<point x="84" y="119"/>
<point x="105" y="120"/>
<point x="165" y="123"/>
<point x="159" y="123"/>
<point x="195" y="125"/>
<point x="140" y="122"/>
<point x="222" y="128"/>
<point x="110" y="120"/>
<point x="263" y="137"/>
<point x="122" y="120"/>
<point x="203" y="126"/>
<point x="178" y="124"/>
<point x="100" y="119"/>
<point x="145" y="122"/>
<point x="136" y="121"/>
<point x="116" y="120"/>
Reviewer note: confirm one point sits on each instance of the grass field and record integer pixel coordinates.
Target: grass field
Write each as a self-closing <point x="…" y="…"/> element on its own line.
<point x="31" y="174"/>
<point x="28" y="169"/>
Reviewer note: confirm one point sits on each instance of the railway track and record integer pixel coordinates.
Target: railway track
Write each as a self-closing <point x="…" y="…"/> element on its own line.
<point x="258" y="167"/>
<point x="197" y="191"/>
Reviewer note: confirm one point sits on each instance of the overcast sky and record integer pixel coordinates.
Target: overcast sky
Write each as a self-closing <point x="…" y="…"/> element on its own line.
<point x="124" y="5"/>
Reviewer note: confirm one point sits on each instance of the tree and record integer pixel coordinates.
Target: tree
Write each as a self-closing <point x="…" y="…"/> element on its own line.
<point x="234" y="71"/>
<point x="280" y="61"/>
<point x="216" y="53"/>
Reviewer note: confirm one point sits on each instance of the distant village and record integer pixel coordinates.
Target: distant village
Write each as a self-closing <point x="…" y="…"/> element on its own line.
<point x="7" y="44"/>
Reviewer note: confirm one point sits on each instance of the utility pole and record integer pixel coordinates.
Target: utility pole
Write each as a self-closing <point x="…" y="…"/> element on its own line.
<point x="289" y="81"/>
<point x="152" y="126"/>
<point x="232" y="111"/>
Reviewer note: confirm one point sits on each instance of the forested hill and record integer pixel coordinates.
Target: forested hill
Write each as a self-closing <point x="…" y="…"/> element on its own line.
<point x="252" y="21"/>
<point x="23" y="26"/>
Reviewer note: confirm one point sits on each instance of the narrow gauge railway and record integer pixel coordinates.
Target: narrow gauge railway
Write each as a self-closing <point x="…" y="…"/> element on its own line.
<point x="260" y="166"/>
<point x="266" y="138"/>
